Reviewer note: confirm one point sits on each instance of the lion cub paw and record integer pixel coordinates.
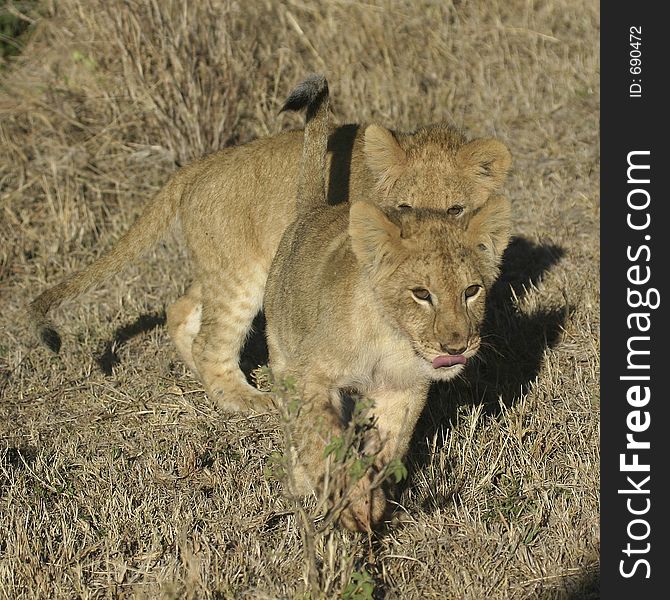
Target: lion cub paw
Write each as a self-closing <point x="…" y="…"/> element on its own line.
<point x="242" y="400"/>
<point x="366" y="507"/>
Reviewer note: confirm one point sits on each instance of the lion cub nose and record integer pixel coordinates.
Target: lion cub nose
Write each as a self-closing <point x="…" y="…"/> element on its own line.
<point x="453" y="348"/>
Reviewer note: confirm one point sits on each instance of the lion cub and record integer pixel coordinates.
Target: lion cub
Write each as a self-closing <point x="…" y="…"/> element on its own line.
<point x="382" y="302"/>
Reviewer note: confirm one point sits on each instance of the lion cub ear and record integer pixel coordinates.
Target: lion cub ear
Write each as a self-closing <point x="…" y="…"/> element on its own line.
<point x="383" y="155"/>
<point x="490" y="227"/>
<point x="487" y="160"/>
<point x="373" y="235"/>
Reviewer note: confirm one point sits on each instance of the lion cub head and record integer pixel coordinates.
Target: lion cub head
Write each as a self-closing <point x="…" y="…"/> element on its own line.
<point x="430" y="275"/>
<point x="435" y="167"/>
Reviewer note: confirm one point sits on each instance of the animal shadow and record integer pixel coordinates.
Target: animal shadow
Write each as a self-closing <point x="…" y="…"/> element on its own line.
<point x="584" y="585"/>
<point x="255" y="350"/>
<point x="109" y="358"/>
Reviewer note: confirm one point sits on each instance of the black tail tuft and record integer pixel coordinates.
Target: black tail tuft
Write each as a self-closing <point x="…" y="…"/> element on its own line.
<point x="51" y="338"/>
<point x="306" y="93"/>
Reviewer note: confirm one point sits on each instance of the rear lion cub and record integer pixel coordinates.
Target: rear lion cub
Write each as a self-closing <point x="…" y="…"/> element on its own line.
<point x="382" y="302"/>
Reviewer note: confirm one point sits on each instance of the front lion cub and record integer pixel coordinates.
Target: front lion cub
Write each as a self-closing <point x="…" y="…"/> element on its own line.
<point x="379" y="302"/>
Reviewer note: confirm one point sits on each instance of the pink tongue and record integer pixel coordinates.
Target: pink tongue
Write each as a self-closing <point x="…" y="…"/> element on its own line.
<point x="448" y="360"/>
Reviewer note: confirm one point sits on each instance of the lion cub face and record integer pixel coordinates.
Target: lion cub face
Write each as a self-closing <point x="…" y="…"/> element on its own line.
<point x="429" y="276"/>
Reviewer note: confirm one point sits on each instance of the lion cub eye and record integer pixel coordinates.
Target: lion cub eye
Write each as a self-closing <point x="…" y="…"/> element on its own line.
<point x="404" y="206"/>
<point x="455" y="210"/>
<point x="471" y="291"/>
<point x="422" y="294"/>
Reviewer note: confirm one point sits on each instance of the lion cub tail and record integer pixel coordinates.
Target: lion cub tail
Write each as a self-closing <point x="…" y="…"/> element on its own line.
<point x="142" y="235"/>
<point x="312" y="94"/>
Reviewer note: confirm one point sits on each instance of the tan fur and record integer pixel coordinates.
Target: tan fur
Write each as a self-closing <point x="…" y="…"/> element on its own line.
<point x="342" y="315"/>
<point x="234" y="206"/>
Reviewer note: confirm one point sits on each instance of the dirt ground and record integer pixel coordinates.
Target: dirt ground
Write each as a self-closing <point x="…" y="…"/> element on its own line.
<point x="118" y="477"/>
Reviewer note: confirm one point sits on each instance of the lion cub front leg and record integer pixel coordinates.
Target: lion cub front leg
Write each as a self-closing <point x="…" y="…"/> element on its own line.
<point x="396" y="412"/>
<point x="227" y="313"/>
<point x="317" y="424"/>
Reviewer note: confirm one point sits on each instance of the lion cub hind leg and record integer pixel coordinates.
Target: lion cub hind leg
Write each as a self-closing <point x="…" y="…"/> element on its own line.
<point x="229" y="306"/>
<point x="183" y="323"/>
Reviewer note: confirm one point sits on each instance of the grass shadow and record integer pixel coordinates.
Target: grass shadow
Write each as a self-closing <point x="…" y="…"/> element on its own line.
<point x="14" y="459"/>
<point x="143" y="324"/>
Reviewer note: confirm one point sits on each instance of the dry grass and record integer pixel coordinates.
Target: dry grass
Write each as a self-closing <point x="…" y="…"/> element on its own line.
<point x="118" y="478"/>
